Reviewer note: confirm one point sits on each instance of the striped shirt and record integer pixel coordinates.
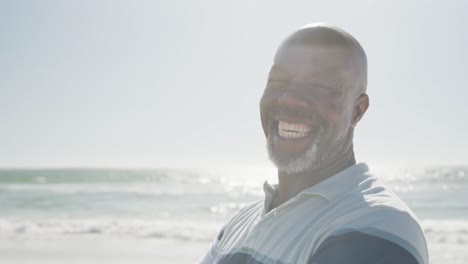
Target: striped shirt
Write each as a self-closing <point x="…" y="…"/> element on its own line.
<point x="348" y="218"/>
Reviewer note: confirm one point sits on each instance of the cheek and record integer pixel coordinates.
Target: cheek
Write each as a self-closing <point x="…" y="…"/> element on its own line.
<point x="266" y="104"/>
<point x="265" y="101"/>
<point x="337" y="120"/>
<point x="331" y="111"/>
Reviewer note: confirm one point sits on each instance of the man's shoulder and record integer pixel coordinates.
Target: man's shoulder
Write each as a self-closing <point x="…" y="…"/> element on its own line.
<point x="374" y="193"/>
<point x="386" y="235"/>
<point x="383" y="220"/>
<point x="373" y="215"/>
<point x="356" y="247"/>
<point x="386" y="222"/>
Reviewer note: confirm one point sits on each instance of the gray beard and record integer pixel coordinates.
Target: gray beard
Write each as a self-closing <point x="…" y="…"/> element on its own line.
<point x="312" y="159"/>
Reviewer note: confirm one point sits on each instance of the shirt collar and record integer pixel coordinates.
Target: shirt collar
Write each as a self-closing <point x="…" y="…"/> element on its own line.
<point x="331" y="188"/>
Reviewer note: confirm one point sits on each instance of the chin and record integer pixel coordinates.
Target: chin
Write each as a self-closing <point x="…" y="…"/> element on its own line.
<point x="310" y="160"/>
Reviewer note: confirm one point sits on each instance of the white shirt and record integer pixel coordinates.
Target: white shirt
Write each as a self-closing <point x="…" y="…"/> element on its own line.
<point x="350" y="217"/>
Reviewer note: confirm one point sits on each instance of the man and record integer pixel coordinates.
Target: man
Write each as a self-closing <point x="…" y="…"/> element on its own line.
<point x="325" y="208"/>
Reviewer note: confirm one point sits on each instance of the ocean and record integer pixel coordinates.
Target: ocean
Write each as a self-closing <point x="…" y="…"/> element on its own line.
<point x="86" y="215"/>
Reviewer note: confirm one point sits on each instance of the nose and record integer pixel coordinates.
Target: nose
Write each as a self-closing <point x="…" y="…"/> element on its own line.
<point x="289" y="99"/>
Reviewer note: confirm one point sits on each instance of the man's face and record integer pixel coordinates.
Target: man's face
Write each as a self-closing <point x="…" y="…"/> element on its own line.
<point x="307" y="106"/>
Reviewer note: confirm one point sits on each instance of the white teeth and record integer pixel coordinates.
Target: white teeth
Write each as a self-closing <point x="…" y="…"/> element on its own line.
<point x="286" y="134"/>
<point x="292" y="130"/>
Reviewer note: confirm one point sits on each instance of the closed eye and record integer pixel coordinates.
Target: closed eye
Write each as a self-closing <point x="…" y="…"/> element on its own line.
<point x="321" y="88"/>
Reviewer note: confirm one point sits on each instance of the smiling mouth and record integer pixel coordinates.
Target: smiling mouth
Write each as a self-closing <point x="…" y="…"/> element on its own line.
<point x="288" y="130"/>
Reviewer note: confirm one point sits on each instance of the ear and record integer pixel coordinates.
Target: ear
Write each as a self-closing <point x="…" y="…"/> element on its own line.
<point x="362" y="103"/>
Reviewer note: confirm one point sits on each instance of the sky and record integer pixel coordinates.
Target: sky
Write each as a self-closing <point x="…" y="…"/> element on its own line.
<point x="178" y="83"/>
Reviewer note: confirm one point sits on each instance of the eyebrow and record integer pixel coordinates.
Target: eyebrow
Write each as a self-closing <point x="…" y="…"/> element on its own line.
<point x="282" y="73"/>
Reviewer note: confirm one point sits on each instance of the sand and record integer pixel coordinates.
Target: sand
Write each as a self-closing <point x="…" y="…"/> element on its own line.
<point x="92" y="250"/>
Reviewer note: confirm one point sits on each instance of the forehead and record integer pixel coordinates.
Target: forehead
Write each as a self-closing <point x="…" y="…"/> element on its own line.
<point x="329" y="63"/>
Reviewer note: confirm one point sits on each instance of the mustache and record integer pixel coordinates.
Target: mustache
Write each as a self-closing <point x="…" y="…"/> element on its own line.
<point x="309" y="117"/>
<point x="295" y="112"/>
<point x="300" y="113"/>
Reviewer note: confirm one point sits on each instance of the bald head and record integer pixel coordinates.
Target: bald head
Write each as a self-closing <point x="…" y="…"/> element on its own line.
<point x="314" y="98"/>
<point x="331" y="37"/>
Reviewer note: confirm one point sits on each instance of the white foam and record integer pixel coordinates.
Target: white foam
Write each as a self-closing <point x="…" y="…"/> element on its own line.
<point x="436" y="231"/>
<point x="167" y="229"/>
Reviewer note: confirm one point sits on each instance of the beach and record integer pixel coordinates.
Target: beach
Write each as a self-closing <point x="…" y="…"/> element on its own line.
<point x="172" y="216"/>
<point x="95" y="250"/>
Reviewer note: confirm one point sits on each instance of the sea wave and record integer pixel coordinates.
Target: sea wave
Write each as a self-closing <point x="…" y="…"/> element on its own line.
<point x="442" y="175"/>
<point x="102" y="188"/>
<point x="90" y="176"/>
<point x="438" y="232"/>
<point x="446" y="231"/>
<point x="14" y="228"/>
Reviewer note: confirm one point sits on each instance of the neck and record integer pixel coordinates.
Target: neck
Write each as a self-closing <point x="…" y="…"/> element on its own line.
<point x="290" y="185"/>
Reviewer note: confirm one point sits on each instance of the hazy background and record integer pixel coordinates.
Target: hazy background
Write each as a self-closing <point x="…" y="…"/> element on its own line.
<point x="174" y="86"/>
<point x="177" y="83"/>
